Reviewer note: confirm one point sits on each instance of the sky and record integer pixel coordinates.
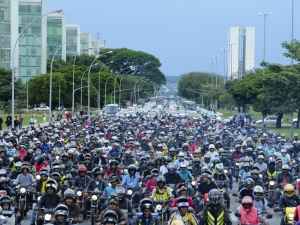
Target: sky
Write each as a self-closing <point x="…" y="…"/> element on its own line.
<point x="184" y="34"/>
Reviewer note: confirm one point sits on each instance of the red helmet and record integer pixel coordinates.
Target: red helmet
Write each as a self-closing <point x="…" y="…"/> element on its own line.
<point x="82" y="169"/>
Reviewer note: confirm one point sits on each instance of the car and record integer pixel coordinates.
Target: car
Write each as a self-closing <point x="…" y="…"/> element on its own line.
<point x="41" y="108"/>
<point x="111" y="109"/>
<point x="269" y="120"/>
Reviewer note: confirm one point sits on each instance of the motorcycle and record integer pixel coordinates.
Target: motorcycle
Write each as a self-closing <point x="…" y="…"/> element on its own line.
<point x="22" y="204"/>
<point x="271" y="194"/>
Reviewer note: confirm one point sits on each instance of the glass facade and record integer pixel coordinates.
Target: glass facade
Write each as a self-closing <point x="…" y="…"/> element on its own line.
<point x="5" y="34"/>
<point x="72" y="37"/>
<point x="85" y="44"/>
<point x="55" y="37"/>
<point x="30" y="45"/>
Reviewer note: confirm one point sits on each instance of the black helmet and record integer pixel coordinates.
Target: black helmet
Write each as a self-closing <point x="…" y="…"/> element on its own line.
<point x="146" y="203"/>
<point x="110" y="216"/>
<point x="61" y="210"/>
<point x="69" y="193"/>
<point x="215" y="196"/>
<point x="182" y="202"/>
<point x="5" y="200"/>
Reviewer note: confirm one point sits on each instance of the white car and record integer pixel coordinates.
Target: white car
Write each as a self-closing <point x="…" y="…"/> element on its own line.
<point x="269" y="120"/>
<point x="41" y="108"/>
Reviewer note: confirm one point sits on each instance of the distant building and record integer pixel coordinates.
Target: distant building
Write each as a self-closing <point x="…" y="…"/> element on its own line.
<point x="86" y="44"/>
<point x="72" y="40"/>
<point x="9" y="23"/>
<point x="33" y="40"/>
<point x="241" y="54"/>
<point x="56" y="36"/>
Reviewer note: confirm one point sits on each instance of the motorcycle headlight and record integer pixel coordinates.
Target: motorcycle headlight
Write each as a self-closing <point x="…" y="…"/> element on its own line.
<point x="22" y="190"/>
<point x="272" y="183"/>
<point x="194" y="183"/>
<point x="38" y="177"/>
<point x="226" y="171"/>
<point x="129" y="192"/>
<point x="47" y="217"/>
<point x="94" y="197"/>
<point x="260" y="176"/>
<point x="158" y="208"/>
<point x="79" y="193"/>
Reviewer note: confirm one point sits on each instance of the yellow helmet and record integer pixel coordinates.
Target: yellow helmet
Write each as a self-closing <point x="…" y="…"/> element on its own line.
<point x="289" y="190"/>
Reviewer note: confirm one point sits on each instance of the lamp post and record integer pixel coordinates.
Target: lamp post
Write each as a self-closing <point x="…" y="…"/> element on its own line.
<point x="105" y="89"/>
<point x="292" y="24"/>
<point x="73" y="86"/>
<point x="50" y="85"/>
<point x="265" y="15"/>
<point x="89" y="89"/>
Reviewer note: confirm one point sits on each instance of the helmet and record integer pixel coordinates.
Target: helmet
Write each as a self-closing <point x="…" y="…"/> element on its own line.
<point x="249" y="182"/>
<point x="289" y="190"/>
<point x="211" y="146"/>
<point x="219" y="168"/>
<point x="82" y="168"/>
<point x="182" y="202"/>
<point x="132" y="167"/>
<point x="111" y="214"/>
<point x="61" y="210"/>
<point x="161" y="180"/>
<point x="5" y="200"/>
<point x="146" y="203"/>
<point x="51" y="184"/>
<point x="247" y="202"/>
<point x="258" y="191"/>
<point x="69" y="193"/>
<point x="215" y="196"/>
<point x="285" y="167"/>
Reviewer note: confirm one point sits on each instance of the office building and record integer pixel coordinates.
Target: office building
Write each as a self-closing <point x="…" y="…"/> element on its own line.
<point x="9" y="51"/>
<point x="86" y="44"/>
<point x="241" y="54"/>
<point x="73" y="40"/>
<point x="56" y="36"/>
<point x="33" y="38"/>
<point x="97" y="45"/>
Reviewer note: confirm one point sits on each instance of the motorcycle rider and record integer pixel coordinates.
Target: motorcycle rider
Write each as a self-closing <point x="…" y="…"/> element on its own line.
<point x="260" y="164"/>
<point x="172" y="177"/>
<point x="146" y="218"/>
<point x="99" y="182"/>
<point x="215" y="212"/>
<point x="49" y="200"/>
<point x="111" y="189"/>
<point x="162" y="192"/>
<point x="70" y="202"/>
<point x="183" y="214"/>
<point x="184" y="173"/>
<point x="113" y="205"/>
<point x="41" y="183"/>
<point x="271" y="170"/>
<point x="82" y="181"/>
<point x="289" y="198"/>
<point x="247" y="212"/>
<point x="205" y="183"/>
<point x="285" y="176"/>
<point x="247" y="188"/>
<point x="61" y="215"/>
<point x="132" y="179"/>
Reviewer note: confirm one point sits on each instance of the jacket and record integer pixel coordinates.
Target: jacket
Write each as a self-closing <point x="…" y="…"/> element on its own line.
<point x="250" y="217"/>
<point x="216" y="215"/>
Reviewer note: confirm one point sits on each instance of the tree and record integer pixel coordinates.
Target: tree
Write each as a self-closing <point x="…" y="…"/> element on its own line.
<point x="5" y="91"/>
<point x="129" y="62"/>
<point x="201" y="86"/>
<point x="293" y="50"/>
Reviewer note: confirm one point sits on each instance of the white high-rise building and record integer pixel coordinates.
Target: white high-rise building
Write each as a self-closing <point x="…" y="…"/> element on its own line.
<point x="73" y="39"/>
<point x="9" y="23"/>
<point x="241" y="54"/>
<point x="33" y="38"/>
<point x="56" y="35"/>
<point x="86" y="47"/>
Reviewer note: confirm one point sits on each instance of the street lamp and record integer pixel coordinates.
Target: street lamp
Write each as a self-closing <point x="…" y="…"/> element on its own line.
<point x="14" y="71"/>
<point x="50" y="83"/>
<point x="265" y="15"/>
<point x="105" y="88"/>
<point x="73" y="88"/>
